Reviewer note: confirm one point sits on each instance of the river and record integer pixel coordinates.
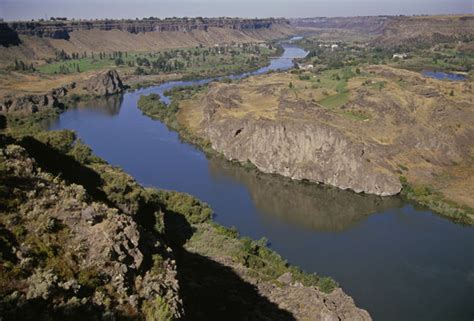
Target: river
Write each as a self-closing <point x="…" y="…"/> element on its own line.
<point x="399" y="262"/>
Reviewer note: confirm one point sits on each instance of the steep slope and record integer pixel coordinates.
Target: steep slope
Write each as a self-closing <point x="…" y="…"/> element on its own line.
<point x="43" y="40"/>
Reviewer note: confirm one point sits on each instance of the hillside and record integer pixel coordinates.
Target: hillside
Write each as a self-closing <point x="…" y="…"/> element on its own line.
<point x="368" y="132"/>
<point x="32" y="41"/>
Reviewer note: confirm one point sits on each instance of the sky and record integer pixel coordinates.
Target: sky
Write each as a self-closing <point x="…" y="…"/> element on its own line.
<point x="92" y="9"/>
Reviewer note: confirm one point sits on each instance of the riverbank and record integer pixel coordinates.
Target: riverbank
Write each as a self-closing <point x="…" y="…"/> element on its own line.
<point x="182" y="223"/>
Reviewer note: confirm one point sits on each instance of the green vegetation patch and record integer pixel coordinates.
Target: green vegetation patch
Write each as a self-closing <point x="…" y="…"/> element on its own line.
<point x="335" y="101"/>
<point x="435" y="201"/>
<point x="152" y="106"/>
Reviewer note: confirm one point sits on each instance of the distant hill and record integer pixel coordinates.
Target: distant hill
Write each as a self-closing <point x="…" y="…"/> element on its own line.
<point x="428" y="30"/>
<point x="366" y="25"/>
<point x="399" y="30"/>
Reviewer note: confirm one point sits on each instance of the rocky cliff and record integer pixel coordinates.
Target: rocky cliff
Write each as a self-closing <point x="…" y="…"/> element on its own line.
<point x="302" y="150"/>
<point x="62" y="29"/>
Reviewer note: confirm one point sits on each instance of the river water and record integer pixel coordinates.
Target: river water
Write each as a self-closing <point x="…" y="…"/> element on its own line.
<point x="399" y="262"/>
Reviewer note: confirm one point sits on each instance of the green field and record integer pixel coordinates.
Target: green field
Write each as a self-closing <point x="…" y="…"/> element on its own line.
<point x="197" y="61"/>
<point x="85" y="64"/>
<point x="335" y="101"/>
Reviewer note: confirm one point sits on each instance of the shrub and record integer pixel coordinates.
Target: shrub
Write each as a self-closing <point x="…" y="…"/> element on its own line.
<point x="193" y="209"/>
<point x="89" y="278"/>
<point x="304" y="77"/>
<point x="327" y="284"/>
<point x="81" y="152"/>
<point x="61" y="140"/>
<point x="157" y="310"/>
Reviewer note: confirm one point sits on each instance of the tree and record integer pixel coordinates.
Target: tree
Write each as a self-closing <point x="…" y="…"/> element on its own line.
<point x="290" y="85"/>
<point x="119" y="61"/>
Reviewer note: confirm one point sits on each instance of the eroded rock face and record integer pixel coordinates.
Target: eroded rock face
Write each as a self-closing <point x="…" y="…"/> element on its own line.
<point x="29" y="104"/>
<point x="105" y="83"/>
<point x="302" y="150"/>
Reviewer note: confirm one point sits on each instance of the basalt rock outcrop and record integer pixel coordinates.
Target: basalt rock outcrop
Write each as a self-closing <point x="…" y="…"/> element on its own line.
<point x="301" y="150"/>
<point x="29" y="104"/>
<point x="104" y="84"/>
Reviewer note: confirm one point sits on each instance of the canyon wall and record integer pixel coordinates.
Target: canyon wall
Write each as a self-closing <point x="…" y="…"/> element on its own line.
<point x="36" y="41"/>
<point x="62" y="29"/>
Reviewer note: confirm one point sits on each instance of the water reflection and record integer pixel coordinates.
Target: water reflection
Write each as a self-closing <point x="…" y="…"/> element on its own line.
<point x="109" y="105"/>
<point x="306" y="205"/>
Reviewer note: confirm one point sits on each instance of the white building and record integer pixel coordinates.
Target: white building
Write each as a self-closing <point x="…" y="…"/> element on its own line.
<point x="305" y="67"/>
<point x="400" y="56"/>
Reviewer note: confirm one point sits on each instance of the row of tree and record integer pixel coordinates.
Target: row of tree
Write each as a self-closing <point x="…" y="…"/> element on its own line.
<point x="20" y="65"/>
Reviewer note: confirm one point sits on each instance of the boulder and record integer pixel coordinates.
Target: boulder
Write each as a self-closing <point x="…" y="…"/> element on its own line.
<point x="105" y="83"/>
